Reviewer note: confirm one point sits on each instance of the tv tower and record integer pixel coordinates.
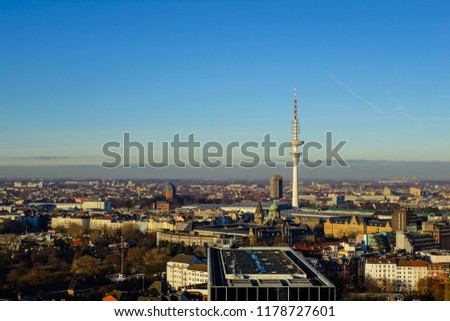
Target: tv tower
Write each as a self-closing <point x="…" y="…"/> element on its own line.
<point x="295" y="153"/>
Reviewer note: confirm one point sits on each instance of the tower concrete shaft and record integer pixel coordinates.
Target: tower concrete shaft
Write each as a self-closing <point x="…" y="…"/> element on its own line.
<point x="295" y="143"/>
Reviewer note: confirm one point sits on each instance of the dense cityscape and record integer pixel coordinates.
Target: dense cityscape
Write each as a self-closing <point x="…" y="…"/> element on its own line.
<point x="148" y="240"/>
<point x="291" y="157"/>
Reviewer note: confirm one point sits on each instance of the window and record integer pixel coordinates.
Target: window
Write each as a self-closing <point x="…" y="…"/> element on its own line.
<point x="304" y="294"/>
<point x="262" y="294"/>
<point x="293" y="294"/>
<point x="314" y="294"/>
<point x="251" y="293"/>
<point x="324" y="294"/>
<point x="273" y="294"/>
<point x="242" y="294"/>
<point x="220" y="294"/>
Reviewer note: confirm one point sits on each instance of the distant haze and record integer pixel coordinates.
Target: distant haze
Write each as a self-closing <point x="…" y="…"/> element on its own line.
<point x="357" y="170"/>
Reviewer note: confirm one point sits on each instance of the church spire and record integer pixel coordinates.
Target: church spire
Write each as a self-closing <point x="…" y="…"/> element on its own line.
<point x="259" y="212"/>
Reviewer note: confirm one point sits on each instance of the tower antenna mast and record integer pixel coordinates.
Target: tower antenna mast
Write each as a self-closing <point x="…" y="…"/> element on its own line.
<point x="295" y="143"/>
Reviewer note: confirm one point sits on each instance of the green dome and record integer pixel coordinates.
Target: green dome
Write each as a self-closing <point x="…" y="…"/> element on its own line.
<point x="169" y="187"/>
<point x="274" y="206"/>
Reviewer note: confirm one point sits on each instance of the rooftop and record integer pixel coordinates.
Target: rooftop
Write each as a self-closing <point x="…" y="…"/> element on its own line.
<point x="198" y="267"/>
<point x="182" y="258"/>
<point x="258" y="262"/>
<point x="261" y="267"/>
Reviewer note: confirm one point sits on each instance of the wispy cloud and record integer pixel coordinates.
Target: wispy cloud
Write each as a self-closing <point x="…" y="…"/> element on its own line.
<point x="405" y="113"/>
<point x="40" y="157"/>
<point x="44" y="157"/>
<point x="354" y="94"/>
<point x="40" y="160"/>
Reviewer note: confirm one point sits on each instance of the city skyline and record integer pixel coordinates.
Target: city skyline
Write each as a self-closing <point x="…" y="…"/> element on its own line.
<point x="243" y="151"/>
<point x="373" y="74"/>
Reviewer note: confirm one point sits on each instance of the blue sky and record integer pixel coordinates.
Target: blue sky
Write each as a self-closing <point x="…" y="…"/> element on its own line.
<point x="74" y="74"/>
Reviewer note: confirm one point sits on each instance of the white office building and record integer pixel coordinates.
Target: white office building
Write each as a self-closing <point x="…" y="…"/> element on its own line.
<point x="177" y="270"/>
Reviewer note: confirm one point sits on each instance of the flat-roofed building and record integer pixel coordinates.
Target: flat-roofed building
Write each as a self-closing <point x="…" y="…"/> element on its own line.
<point x="58" y="221"/>
<point x="436" y="256"/>
<point x="404" y="219"/>
<point x="90" y="205"/>
<point x="412" y="242"/>
<point x="187" y="238"/>
<point x="276" y="187"/>
<point x="264" y="274"/>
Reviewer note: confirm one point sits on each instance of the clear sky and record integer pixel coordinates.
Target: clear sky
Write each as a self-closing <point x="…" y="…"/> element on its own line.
<point x="75" y="74"/>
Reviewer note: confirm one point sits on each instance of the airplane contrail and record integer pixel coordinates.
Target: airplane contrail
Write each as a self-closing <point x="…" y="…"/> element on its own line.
<point x="354" y="94"/>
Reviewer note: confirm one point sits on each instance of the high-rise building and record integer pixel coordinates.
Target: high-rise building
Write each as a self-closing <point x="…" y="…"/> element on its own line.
<point x="336" y="200"/>
<point x="276" y="187"/>
<point x="404" y="220"/>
